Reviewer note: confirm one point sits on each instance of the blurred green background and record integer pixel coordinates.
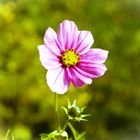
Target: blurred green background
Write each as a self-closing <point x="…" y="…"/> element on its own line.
<point x="26" y="102"/>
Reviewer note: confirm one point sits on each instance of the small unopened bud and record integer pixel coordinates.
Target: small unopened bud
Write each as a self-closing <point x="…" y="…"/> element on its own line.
<point x="74" y="111"/>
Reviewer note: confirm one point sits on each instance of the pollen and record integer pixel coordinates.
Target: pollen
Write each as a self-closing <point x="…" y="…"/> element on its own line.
<point x="70" y="58"/>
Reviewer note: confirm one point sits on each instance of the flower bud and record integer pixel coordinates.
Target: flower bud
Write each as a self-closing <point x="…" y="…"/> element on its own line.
<point x="74" y="111"/>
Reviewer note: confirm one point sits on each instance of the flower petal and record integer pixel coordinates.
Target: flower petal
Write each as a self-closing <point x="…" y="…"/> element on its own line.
<point x="51" y="43"/>
<point x="76" y="78"/>
<point x="57" y="81"/>
<point x="95" y="55"/>
<point x="85" y="41"/>
<point x="72" y="78"/>
<point x="67" y="35"/>
<point x="48" y="60"/>
<point x="96" y="70"/>
<point x="82" y="72"/>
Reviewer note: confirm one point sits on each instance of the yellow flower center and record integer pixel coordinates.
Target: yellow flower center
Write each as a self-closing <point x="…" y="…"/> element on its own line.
<point x="70" y="58"/>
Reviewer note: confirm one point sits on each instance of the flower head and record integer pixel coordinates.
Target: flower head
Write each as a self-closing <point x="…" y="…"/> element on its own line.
<point x="68" y="58"/>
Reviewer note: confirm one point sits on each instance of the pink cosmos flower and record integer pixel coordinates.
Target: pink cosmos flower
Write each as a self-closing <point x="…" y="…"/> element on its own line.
<point x="69" y="59"/>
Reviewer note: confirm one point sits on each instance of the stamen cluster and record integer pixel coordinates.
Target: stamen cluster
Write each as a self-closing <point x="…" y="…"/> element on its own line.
<point x="70" y="58"/>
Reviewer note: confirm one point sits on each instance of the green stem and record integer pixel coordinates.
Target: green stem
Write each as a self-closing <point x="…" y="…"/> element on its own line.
<point x="72" y="130"/>
<point x="56" y="111"/>
<point x="7" y="134"/>
<point x="65" y="125"/>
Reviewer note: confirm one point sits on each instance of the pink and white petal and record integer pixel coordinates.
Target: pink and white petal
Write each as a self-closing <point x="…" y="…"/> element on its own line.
<point x="73" y="78"/>
<point x="51" y="42"/>
<point x="96" y="70"/>
<point x="95" y="55"/>
<point x="76" y="78"/>
<point x="82" y="72"/>
<point x="85" y="41"/>
<point x="48" y="60"/>
<point x="67" y="35"/>
<point x="57" y="81"/>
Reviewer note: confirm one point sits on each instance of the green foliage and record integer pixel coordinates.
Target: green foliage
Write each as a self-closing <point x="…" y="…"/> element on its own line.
<point x="55" y="135"/>
<point x="26" y="102"/>
<point x="8" y="134"/>
<point x="76" y="135"/>
<point x="74" y="113"/>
